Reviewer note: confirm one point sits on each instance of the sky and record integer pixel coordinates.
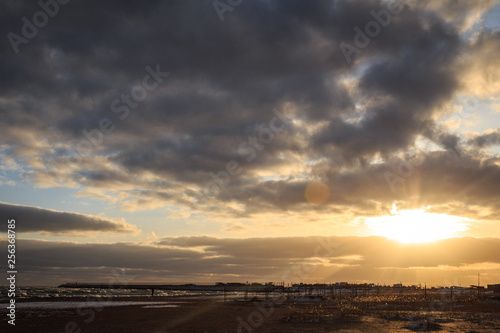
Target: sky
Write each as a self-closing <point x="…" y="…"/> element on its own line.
<point x="263" y="140"/>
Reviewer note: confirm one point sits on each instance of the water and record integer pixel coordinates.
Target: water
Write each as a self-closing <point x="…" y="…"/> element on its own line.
<point x="95" y="305"/>
<point x="55" y="292"/>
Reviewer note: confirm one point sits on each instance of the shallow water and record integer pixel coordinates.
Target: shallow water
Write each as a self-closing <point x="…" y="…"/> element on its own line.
<point x="54" y="292"/>
<point x="161" y="306"/>
<point x="76" y="305"/>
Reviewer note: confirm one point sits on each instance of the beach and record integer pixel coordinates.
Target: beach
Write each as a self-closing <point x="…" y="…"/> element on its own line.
<point x="212" y="314"/>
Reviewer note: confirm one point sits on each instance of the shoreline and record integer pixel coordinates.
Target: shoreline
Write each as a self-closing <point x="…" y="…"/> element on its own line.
<point x="207" y="314"/>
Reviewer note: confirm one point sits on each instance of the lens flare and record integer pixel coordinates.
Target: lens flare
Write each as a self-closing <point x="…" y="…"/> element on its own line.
<point x="317" y="193"/>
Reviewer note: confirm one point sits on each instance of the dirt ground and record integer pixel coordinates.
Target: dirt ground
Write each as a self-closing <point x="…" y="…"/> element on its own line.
<point x="189" y="314"/>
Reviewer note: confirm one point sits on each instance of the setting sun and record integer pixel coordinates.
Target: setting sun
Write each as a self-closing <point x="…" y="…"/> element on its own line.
<point x="417" y="225"/>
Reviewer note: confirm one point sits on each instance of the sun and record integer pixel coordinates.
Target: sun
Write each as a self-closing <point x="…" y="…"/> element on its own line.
<point x="417" y="225"/>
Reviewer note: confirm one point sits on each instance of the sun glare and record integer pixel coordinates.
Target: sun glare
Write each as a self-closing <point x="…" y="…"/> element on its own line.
<point x="417" y="225"/>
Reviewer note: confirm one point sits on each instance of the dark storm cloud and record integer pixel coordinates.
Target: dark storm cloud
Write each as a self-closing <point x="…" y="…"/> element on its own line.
<point x="257" y="259"/>
<point x="35" y="219"/>
<point x="486" y="140"/>
<point x="225" y="80"/>
<point x="414" y="80"/>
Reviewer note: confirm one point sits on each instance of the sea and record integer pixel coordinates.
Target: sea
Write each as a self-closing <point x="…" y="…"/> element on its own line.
<point x="59" y="298"/>
<point x="55" y="292"/>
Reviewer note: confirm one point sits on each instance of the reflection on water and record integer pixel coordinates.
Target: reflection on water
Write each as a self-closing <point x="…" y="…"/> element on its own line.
<point x="48" y="292"/>
<point x="81" y="305"/>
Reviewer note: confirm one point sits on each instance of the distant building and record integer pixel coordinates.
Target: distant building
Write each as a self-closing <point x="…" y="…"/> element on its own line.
<point x="494" y="287"/>
<point x="477" y="287"/>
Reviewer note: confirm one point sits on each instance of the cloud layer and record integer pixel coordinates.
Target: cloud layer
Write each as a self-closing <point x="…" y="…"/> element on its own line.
<point x="35" y="219"/>
<point x="226" y="78"/>
<point x="77" y="124"/>
<point x="292" y="259"/>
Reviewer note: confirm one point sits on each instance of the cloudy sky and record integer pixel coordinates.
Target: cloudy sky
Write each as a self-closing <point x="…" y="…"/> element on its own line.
<point x="252" y="140"/>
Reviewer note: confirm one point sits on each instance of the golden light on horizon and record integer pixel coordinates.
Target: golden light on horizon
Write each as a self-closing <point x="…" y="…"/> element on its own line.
<point x="417" y="225"/>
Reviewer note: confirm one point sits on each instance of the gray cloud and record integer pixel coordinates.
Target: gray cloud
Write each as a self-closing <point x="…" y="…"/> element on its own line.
<point x="438" y="179"/>
<point x="374" y="251"/>
<point x="226" y="78"/>
<point x="35" y="219"/>
<point x="259" y="259"/>
<point x="486" y="140"/>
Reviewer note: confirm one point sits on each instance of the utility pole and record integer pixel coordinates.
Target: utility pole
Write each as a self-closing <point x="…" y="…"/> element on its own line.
<point x="477" y="285"/>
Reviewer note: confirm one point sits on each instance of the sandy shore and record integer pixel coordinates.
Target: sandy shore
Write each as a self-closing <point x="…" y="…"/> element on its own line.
<point x="191" y="314"/>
